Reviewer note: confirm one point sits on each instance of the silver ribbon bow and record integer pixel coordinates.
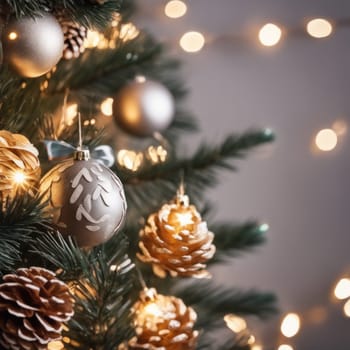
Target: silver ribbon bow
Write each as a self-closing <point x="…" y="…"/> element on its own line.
<point x="61" y="149"/>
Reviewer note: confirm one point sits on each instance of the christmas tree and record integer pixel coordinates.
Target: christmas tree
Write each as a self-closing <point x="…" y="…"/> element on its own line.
<point x="106" y="236"/>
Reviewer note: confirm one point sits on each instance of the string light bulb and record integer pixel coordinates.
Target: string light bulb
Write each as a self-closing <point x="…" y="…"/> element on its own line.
<point x="270" y="34"/>
<point x="319" y="28"/>
<point x="290" y="325"/>
<point x="192" y="41"/>
<point x="326" y="140"/>
<point x="175" y="9"/>
<point x="342" y="289"/>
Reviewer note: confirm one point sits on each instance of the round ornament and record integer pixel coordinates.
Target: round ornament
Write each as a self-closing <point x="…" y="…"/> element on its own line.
<point x="163" y="322"/>
<point x="19" y="164"/>
<point x="85" y="199"/>
<point x="176" y="240"/>
<point x="32" y="46"/>
<point x="143" y="107"/>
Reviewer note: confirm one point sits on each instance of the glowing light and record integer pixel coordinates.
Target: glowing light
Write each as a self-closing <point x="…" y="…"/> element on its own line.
<point x="140" y="78"/>
<point x="290" y="325"/>
<point x="128" y="31"/>
<point x="92" y="39"/>
<point x="235" y="323"/>
<point x="55" y="345"/>
<point x="19" y="177"/>
<point x="175" y="9"/>
<point x="342" y="289"/>
<point x="113" y="267"/>
<point x="340" y="127"/>
<point x="130" y="160"/>
<point x="319" y="28"/>
<point x="257" y="347"/>
<point x="264" y="227"/>
<point x="270" y="34"/>
<point x="346" y="308"/>
<point x="157" y="154"/>
<point x="326" y="140"/>
<point x="13" y="36"/>
<point x="70" y="114"/>
<point x="107" y="106"/>
<point x="153" y="310"/>
<point x="184" y="219"/>
<point x="192" y="41"/>
<point x="251" y="340"/>
<point x="285" y="347"/>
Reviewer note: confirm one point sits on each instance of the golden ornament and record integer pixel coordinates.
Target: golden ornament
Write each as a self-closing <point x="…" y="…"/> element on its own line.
<point x="34" y="304"/>
<point x="163" y="322"/>
<point x="19" y="164"/>
<point x="176" y="240"/>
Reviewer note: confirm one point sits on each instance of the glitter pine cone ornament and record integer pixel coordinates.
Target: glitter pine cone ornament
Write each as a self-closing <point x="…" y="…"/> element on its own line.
<point x="176" y="240"/>
<point x="19" y="164"/>
<point x="34" y="304"/>
<point x="163" y="322"/>
<point x="85" y="199"/>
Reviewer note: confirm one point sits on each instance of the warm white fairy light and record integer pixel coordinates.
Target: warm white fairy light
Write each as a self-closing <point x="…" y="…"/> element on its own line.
<point x="129" y="159"/>
<point x="13" y="36"/>
<point x="290" y="325"/>
<point x="270" y="34"/>
<point x="251" y="340"/>
<point x="346" y="308"/>
<point x="192" y="41"/>
<point x="92" y="39"/>
<point x="285" y="347"/>
<point x="107" y="106"/>
<point x="235" y="323"/>
<point x="128" y="31"/>
<point x="342" y="289"/>
<point x="319" y="28"/>
<point x="19" y="177"/>
<point x="175" y="9"/>
<point x="326" y="140"/>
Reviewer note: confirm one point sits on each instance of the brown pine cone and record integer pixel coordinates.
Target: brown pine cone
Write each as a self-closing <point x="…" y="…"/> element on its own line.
<point x="163" y="322"/>
<point x="18" y="157"/>
<point x="176" y="240"/>
<point x="74" y="36"/>
<point x="33" y="306"/>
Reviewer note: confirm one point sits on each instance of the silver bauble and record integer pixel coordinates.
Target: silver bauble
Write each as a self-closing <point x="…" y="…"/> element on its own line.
<point x="85" y="199"/>
<point x="142" y="108"/>
<point x="32" y="46"/>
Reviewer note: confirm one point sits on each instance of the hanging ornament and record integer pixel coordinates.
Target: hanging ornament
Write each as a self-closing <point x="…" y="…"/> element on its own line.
<point x="74" y="36"/>
<point x="34" y="304"/>
<point x="176" y="240"/>
<point x="143" y="107"/>
<point x="163" y="322"/>
<point x="19" y="164"/>
<point x="32" y="46"/>
<point x="86" y="199"/>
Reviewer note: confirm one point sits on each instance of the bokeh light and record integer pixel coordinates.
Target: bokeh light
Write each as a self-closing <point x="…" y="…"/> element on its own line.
<point x="107" y="106"/>
<point x="270" y="34"/>
<point x="290" y="325"/>
<point x="326" y="140"/>
<point x="285" y="347"/>
<point x="319" y="28"/>
<point x="192" y="41"/>
<point x="175" y="9"/>
<point x="235" y="323"/>
<point x="346" y="308"/>
<point x="342" y="289"/>
<point x="256" y="347"/>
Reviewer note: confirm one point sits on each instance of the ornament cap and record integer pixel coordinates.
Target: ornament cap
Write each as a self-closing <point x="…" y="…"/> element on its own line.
<point x="82" y="154"/>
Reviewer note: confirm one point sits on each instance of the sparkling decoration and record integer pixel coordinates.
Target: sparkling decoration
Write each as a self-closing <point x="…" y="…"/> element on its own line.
<point x="176" y="240"/>
<point x="34" y="304"/>
<point x="143" y="107"/>
<point x="32" y="46"/>
<point x="163" y="322"/>
<point x="19" y="166"/>
<point x="86" y="199"/>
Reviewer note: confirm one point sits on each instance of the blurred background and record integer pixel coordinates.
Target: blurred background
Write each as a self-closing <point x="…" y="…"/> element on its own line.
<point x="293" y="77"/>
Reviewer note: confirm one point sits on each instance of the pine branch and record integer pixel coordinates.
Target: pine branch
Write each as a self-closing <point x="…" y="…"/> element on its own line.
<point x="231" y="239"/>
<point x="213" y="302"/>
<point x="199" y="170"/>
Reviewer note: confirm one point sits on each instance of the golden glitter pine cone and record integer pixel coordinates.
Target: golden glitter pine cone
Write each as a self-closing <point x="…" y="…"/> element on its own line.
<point x="176" y="240"/>
<point x="17" y="154"/>
<point x="163" y="323"/>
<point x="34" y="304"/>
